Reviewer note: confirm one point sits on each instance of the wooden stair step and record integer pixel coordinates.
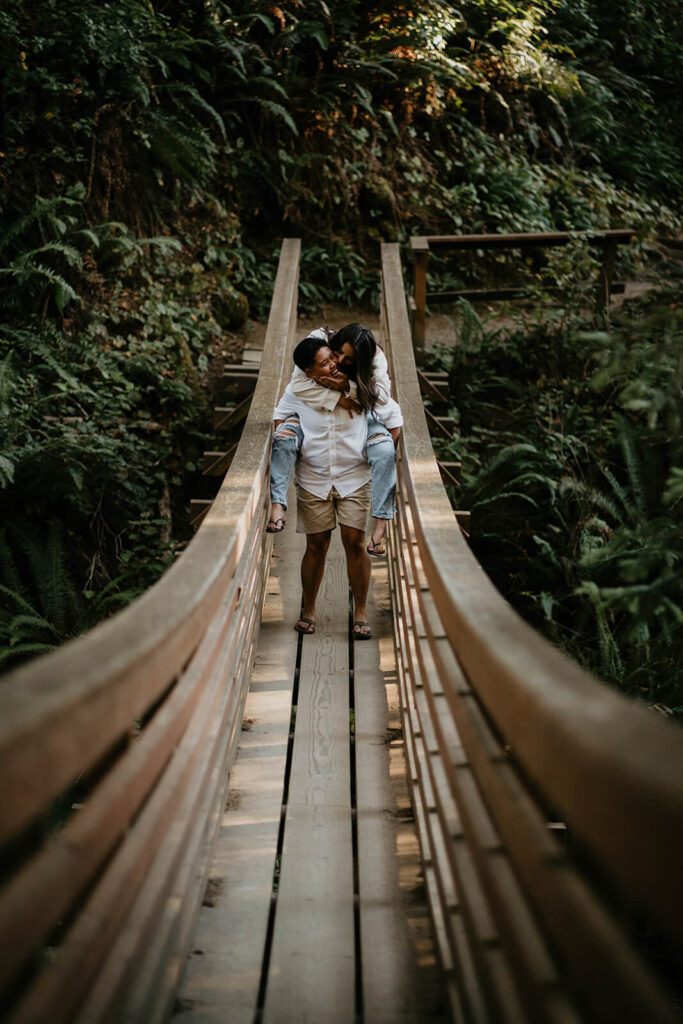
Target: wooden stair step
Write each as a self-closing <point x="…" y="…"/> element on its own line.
<point x="442" y="425"/>
<point x="229" y="416"/>
<point x="464" y="520"/>
<point x="430" y="387"/>
<point x="447" y="471"/>
<point x="198" y="509"/>
<point x="218" y="463"/>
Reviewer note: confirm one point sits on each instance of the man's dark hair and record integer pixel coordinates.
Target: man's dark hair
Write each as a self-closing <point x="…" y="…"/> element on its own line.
<point x="305" y="352"/>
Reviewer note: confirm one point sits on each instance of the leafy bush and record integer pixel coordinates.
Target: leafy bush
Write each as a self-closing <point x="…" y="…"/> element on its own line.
<point x="573" y="467"/>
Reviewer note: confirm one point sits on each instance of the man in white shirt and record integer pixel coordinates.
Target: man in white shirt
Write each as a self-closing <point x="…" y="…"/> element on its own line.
<point x="333" y="484"/>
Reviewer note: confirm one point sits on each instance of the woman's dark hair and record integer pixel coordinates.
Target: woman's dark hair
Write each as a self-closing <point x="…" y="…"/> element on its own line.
<point x="365" y="347"/>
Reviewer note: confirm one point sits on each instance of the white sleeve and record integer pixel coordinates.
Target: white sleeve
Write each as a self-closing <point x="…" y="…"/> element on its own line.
<point x="286" y="406"/>
<point x="389" y="413"/>
<point x="387" y="410"/>
<point x="380" y="375"/>
<point x="312" y="394"/>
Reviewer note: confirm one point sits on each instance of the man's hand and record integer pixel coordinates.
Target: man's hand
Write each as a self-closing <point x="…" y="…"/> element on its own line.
<point x="348" y="403"/>
<point x="340" y="382"/>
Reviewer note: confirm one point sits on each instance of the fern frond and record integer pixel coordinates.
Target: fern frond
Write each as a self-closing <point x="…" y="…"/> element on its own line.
<point x="621" y="493"/>
<point x="634" y="465"/>
<point x="188" y="92"/>
<point x="504" y="496"/>
<point x="277" y="109"/>
<point x="6" y="471"/>
<point x="23" y="650"/>
<point x="18" y="598"/>
<point x="34" y="621"/>
<point x="43" y="208"/>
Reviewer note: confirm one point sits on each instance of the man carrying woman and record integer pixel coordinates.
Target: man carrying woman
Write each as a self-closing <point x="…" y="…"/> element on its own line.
<point x="335" y="445"/>
<point x="362" y="388"/>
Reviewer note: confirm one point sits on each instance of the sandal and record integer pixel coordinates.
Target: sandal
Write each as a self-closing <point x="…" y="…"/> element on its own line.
<point x="308" y="628"/>
<point x="376" y="547"/>
<point x="276" y="525"/>
<point x="361" y="630"/>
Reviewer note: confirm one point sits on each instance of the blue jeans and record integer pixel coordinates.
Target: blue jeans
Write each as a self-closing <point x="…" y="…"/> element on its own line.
<point x="379" y="452"/>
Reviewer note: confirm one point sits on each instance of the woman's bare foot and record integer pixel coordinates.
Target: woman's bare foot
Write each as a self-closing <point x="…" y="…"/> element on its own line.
<point x="278" y="518"/>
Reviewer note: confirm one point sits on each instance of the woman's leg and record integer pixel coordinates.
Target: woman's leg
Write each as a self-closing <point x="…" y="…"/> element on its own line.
<point x="286" y="446"/>
<point x="381" y="456"/>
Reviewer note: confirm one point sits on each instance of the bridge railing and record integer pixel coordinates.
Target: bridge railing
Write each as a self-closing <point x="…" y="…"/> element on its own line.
<point x="549" y="808"/>
<point x="114" y="754"/>
<point x="422" y="246"/>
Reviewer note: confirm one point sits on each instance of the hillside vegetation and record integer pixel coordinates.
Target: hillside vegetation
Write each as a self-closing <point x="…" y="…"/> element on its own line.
<point x="152" y="155"/>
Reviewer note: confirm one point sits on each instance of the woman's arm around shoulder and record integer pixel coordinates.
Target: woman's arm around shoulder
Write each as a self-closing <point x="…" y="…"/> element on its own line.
<point x="380" y="375"/>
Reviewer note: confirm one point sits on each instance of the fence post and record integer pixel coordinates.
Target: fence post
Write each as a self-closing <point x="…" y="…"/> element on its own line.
<point x="420" y="248"/>
<point x="607" y="272"/>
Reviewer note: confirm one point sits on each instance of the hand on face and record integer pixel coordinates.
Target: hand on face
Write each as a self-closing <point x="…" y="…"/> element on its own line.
<point x="325" y="371"/>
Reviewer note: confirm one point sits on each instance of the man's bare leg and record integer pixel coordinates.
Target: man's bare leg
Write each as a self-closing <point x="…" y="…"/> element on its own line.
<point x="358" y="568"/>
<point x="312" y="569"/>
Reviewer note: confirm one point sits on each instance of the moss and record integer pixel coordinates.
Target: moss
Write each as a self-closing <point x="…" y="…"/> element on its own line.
<point x="230" y="307"/>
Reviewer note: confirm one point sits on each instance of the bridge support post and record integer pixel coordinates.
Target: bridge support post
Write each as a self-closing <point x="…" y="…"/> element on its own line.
<point x="420" y="248"/>
<point x="607" y="273"/>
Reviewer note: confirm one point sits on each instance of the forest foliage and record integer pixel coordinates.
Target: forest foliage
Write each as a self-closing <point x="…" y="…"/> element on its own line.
<point x="152" y="154"/>
<point x="572" y="466"/>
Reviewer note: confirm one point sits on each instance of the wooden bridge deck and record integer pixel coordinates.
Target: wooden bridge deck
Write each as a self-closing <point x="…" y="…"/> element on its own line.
<point x="137" y="725"/>
<point x="304" y="918"/>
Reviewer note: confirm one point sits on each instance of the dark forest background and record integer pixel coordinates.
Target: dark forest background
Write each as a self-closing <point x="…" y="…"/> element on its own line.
<point x="152" y="156"/>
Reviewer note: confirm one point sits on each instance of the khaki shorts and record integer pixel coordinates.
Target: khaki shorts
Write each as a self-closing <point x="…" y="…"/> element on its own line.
<point x="316" y="515"/>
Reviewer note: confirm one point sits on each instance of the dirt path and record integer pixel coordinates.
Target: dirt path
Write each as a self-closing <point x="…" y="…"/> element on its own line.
<point x="441" y="328"/>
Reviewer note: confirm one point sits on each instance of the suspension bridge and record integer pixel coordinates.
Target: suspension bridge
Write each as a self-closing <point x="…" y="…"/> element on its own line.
<point x="230" y="843"/>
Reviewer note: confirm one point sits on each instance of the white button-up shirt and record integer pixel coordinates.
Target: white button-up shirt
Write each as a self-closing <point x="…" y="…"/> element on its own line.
<point x="333" y="449"/>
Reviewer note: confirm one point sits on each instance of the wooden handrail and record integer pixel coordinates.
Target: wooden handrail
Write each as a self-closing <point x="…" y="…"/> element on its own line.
<point x="503" y="728"/>
<point x="422" y="245"/>
<point x="146" y="708"/>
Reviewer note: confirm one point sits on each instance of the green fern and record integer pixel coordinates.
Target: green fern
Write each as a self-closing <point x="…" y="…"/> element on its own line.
<point x="279" y="112"/>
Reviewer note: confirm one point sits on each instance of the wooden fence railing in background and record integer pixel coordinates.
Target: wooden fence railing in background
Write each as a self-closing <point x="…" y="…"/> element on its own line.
<point x="421" y="246"/>
<point x="507" y="740"/>
<point x="132" y="729"/>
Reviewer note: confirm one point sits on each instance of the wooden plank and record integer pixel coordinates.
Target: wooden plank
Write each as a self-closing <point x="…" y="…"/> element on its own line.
<point x="430" y="388"/>
<point x="312" y="965"/>
<point x="228" y="417"/>
<point x="390" y="983"/>
<point x="446" y="470"/>
<point x="222" y="977"/>
<point x="521" y="240"/>
<point x="252" y="356"/>
<point x="240" y="369"/>
<point x="503" y="294"/>
<point x="198" y="509"/>
<point x="421" y="257"/>
<point x="464" y="520"/>
<point x="485" y="294"/>
<point x="441" y="424"/>
<point x="218" y="463"/>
